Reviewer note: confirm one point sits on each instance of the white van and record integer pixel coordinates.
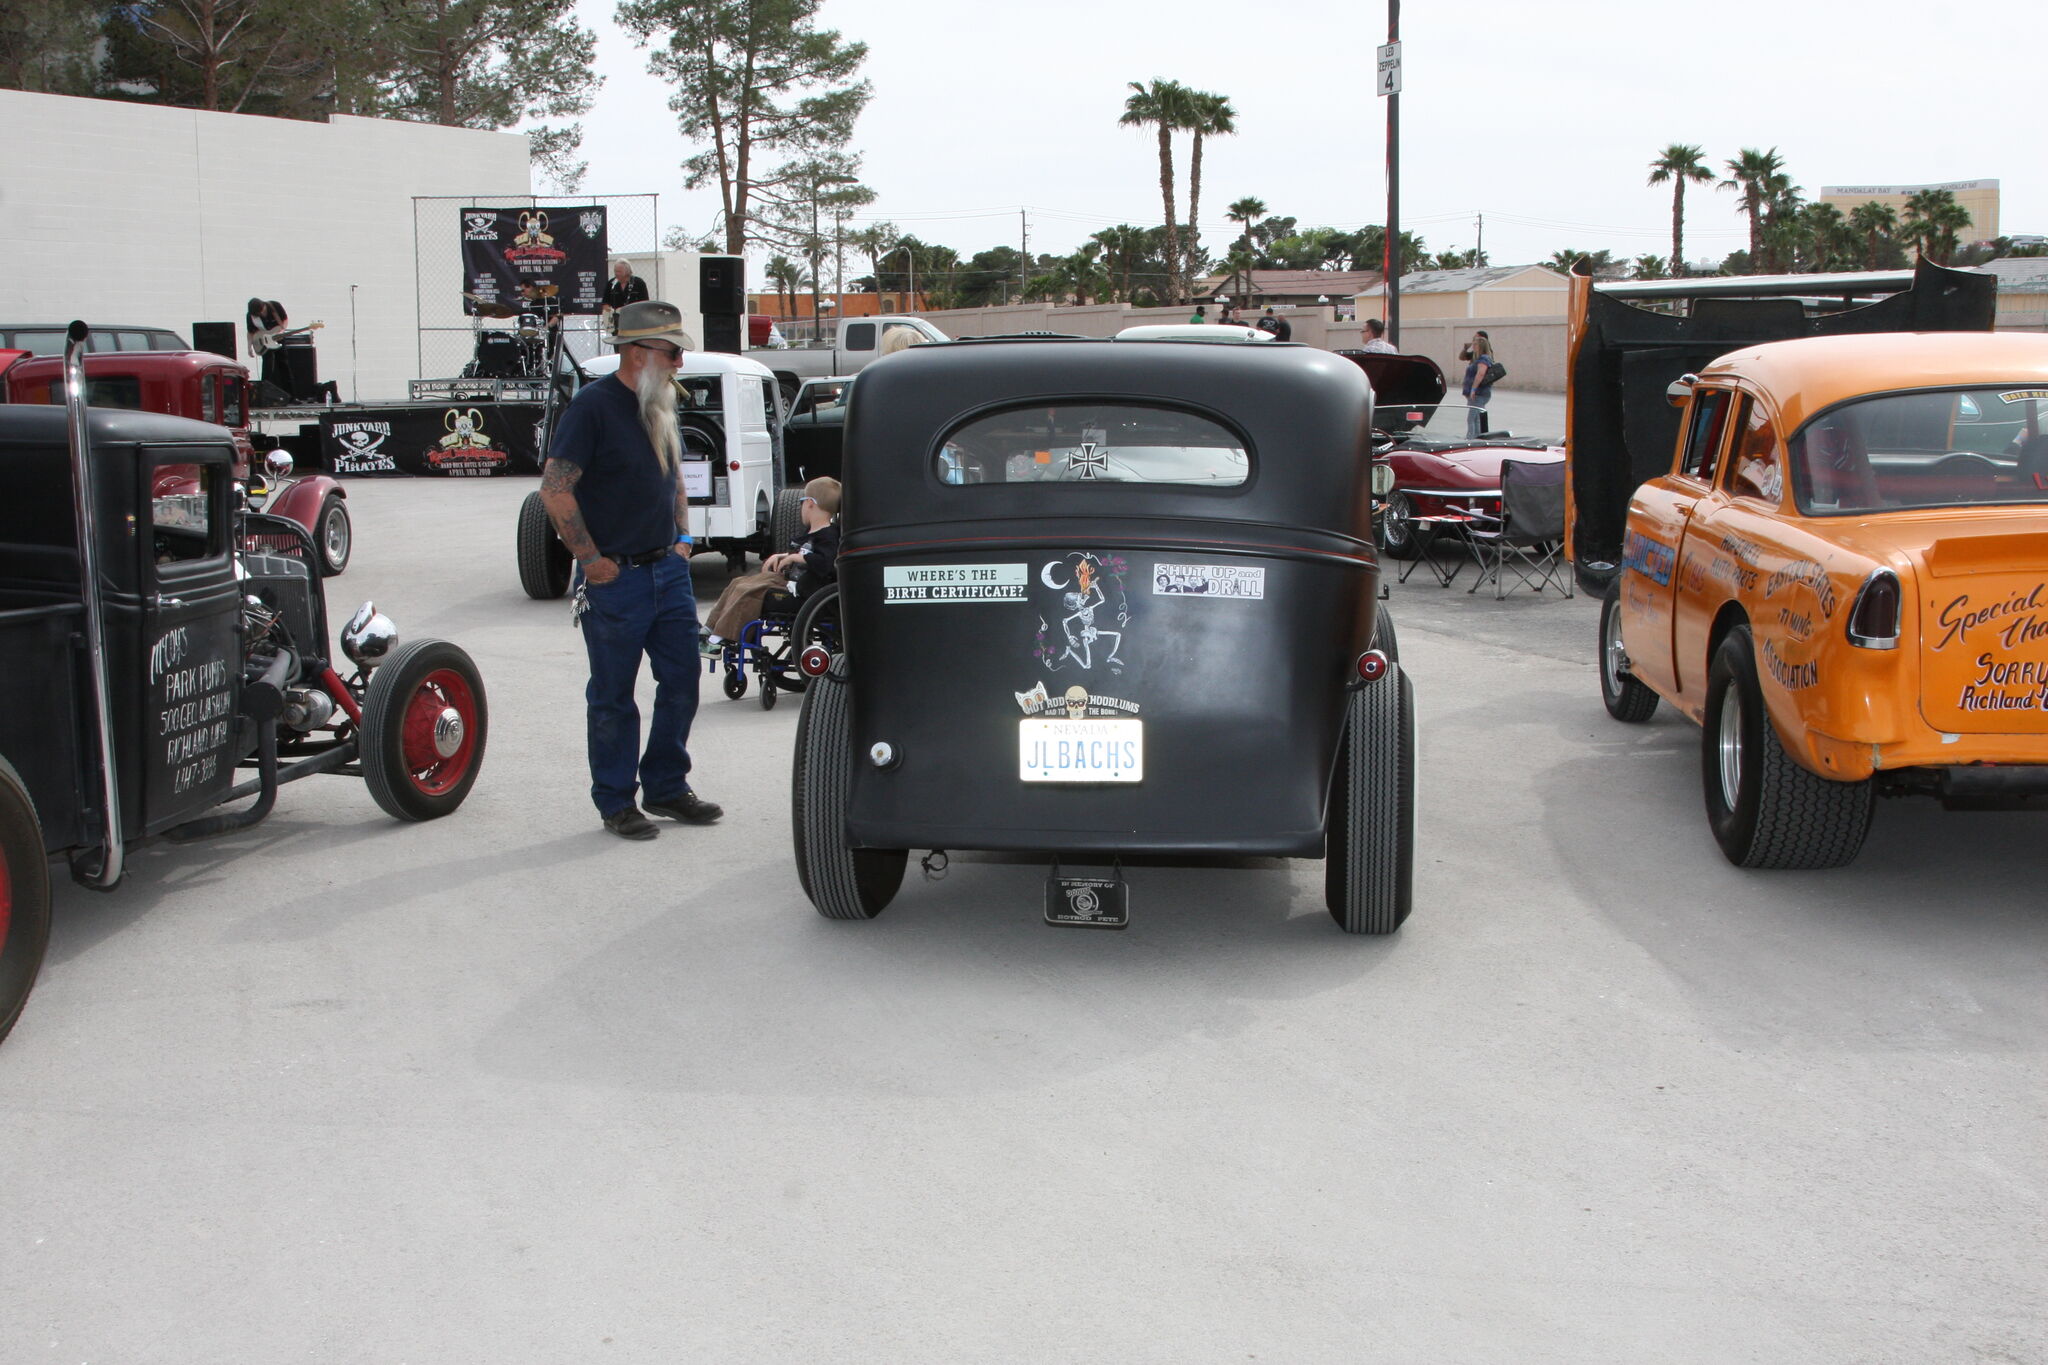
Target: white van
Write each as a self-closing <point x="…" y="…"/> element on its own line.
<point x="732" y="469"/>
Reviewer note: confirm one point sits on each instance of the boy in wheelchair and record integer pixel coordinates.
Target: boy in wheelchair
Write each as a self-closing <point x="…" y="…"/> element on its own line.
<point x="758" y="606"/>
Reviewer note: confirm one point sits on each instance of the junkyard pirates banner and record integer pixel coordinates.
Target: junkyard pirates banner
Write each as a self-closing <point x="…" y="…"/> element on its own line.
<point x="461" y="440"/>
<point x="503" y="249"/>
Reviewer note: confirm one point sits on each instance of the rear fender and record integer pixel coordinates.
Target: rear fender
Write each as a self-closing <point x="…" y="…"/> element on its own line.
<point x="301" y="498"/>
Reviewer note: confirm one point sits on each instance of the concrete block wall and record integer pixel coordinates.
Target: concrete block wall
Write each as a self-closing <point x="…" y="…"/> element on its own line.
<point x="135" y="213"/>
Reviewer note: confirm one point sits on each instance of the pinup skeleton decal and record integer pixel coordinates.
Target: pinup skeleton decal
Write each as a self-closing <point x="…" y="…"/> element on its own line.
<point x="1083" y="614"/>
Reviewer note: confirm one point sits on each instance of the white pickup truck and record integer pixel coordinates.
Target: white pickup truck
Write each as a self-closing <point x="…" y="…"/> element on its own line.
<point x="850" y="346"/>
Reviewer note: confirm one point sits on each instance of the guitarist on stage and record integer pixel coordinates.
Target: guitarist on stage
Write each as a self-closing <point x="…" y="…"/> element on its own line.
<point x="268" y="326"/>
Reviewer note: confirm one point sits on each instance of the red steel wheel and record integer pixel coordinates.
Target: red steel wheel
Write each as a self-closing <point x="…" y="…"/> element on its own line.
<point x="425" y="720"/>
<point x="440" y="731"/>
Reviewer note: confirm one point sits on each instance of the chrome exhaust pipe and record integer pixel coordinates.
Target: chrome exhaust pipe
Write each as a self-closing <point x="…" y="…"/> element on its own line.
<point x="84" y="504"/>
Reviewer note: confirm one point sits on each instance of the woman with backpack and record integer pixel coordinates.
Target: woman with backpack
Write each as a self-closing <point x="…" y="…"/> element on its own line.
<point x="1480" y="373"/>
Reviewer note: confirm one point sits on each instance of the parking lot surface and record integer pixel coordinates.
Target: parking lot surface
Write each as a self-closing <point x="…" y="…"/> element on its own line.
<point x="503" y="1087"/>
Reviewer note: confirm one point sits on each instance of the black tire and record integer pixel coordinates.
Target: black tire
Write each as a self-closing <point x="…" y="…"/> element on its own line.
<point x="817" y="622"/>
<point x="1383" y="637"/>
<point x="735" y="683"/>
<point x="790" y="387"/>
<point x="335" y="536"/>
<point x="1766" y="810"/>
<point x="1369" y="848"/>
<point x="24" y="896"/>
<point x="769" y="692"/>
<point x="417" y="776"/>
<point x="786" y="521"/>
<point x="842" y="882"/>
<point x="544" y="562"/>
<point x="1626" y="698"/>
<point x="1399" y="536"/>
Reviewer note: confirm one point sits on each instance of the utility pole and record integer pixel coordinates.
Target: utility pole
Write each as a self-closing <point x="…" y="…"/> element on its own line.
<point x="1391" y="88"/>
<point x="1479" y="251"/>
<point x="1023" y="251"/>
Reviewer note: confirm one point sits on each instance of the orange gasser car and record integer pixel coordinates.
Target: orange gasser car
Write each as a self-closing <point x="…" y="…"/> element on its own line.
<point x="1844" y="579"/>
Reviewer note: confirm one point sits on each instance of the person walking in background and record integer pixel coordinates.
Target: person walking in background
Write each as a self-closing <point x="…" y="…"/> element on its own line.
<point x="1478" y="386"/>
<point x="612" y="490"/>
<point x="1200" y="315"/>
<point x="1376" y="337"/>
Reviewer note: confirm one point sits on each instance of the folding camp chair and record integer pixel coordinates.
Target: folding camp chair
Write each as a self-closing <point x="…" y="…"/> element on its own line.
<point x="1434" y="532"/>
<point x="1527" y="538"/>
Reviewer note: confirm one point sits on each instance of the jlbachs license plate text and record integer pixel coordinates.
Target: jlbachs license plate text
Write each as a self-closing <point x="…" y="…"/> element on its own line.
<point x="1089" y="750"/>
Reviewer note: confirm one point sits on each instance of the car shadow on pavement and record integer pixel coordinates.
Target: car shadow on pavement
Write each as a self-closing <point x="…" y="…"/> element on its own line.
<point x="957" y="988"/>
<point x="1932" y="938"/>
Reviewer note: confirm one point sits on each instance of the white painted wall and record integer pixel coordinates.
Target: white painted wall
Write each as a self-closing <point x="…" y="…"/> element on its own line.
<point x="138" y="213"/>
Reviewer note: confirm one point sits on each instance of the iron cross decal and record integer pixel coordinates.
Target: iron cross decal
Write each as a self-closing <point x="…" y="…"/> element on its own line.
<point x="1088" y="462"/>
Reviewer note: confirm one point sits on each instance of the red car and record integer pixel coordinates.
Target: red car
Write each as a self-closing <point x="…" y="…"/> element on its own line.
<point x="1438" y="469"/>
<point x="207" y="388"/>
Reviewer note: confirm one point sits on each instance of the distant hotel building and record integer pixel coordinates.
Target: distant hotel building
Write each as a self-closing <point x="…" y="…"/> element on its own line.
<point x="1979" y="199"/>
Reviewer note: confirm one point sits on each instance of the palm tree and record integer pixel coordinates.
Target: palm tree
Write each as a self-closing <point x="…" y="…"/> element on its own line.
<point x="1749" y="175"/>
<point x="1162" y="104"/>
<point x="874" y="242"/>
<point x="1650" y="268"/>
<point x="787" y="277"/>
<point x="1830" y="242"/>
<point x="1245" y="212"/>
<point x="1876" y="222"/>
<point x="1934" y="221"/>
<point x="1679" y="163"/>
<point x="1123" y="246"/>
<point x="1207" y="115"/>
<point x="1784" y="232"/>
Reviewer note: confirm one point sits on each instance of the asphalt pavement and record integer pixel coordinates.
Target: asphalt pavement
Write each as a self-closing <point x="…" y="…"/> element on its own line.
<point x="505" y="1088"/>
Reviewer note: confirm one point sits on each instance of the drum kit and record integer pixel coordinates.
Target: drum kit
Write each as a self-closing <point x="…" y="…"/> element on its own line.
<point x="522" y="352"/>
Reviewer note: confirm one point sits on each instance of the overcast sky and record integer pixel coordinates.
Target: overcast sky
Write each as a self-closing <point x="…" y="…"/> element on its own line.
<point x="1543" y="118"/>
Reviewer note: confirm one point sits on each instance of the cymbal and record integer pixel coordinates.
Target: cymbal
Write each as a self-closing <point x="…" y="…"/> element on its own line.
<point x="487" y="309"/>
<point x="545" y="291"/>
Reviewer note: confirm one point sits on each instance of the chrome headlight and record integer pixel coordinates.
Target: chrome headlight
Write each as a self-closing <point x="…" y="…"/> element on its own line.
<point x="368" y="636"/>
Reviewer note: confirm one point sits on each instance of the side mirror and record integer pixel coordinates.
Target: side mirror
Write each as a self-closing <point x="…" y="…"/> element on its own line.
<point x="1680" y="389"/>
<point x="1382" y="480"/>
<point x="278" y="464"/>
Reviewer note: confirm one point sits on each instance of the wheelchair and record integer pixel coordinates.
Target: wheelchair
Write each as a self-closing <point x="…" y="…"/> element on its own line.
<point x="769" y="644"/>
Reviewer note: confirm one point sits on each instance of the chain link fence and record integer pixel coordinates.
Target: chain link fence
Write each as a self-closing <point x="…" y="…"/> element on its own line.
<point x="449" y="339"/>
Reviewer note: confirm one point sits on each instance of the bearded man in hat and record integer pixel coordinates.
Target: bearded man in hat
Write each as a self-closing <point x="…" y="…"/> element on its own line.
<point x="613" y="489"/>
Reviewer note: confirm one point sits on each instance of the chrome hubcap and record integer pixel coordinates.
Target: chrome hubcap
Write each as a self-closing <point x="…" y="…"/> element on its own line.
<point x="1614" y="656"/>
<point x="448" y="732"/>
<point x="1729" y="743"/>
<point x="337" y="537"/>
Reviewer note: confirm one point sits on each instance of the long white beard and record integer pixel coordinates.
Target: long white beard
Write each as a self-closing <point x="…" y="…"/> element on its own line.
<point x="657" y="394"/>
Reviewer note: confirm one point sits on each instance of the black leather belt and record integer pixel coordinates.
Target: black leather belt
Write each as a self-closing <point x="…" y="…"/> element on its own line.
<point x="649" y="557"/>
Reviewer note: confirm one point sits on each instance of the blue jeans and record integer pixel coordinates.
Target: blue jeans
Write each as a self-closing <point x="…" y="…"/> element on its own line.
<point x="650" y="609"/>
<point x="1474" y="415"/>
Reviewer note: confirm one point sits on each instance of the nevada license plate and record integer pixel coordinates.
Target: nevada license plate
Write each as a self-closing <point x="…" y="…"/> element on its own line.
<point x="1087" y="750"/>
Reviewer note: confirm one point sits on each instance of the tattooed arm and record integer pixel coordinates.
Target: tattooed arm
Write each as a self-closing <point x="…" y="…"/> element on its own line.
<point x="558" y="494"/>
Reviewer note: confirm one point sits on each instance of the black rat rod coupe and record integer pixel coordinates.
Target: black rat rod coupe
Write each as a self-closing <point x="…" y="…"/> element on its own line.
<point x="144" y="660"/>
<point x="1108" y="598"/>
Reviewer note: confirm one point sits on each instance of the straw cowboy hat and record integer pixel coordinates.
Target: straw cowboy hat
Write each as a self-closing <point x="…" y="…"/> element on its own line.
<point x="650" y="320"/>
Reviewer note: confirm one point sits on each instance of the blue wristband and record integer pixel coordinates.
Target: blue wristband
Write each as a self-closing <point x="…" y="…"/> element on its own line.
<point x="683" y="538"/>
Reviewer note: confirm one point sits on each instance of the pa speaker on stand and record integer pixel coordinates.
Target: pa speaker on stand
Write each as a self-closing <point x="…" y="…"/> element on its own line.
<point x="722" y="299"/>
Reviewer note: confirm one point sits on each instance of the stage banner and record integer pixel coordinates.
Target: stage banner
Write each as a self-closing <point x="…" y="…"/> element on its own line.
<point x="503" y="249"/>
<point x="455" y="440"/>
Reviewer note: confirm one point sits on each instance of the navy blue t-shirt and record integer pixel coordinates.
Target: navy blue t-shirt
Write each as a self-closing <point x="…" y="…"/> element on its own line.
<point x="628" y="499"/>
